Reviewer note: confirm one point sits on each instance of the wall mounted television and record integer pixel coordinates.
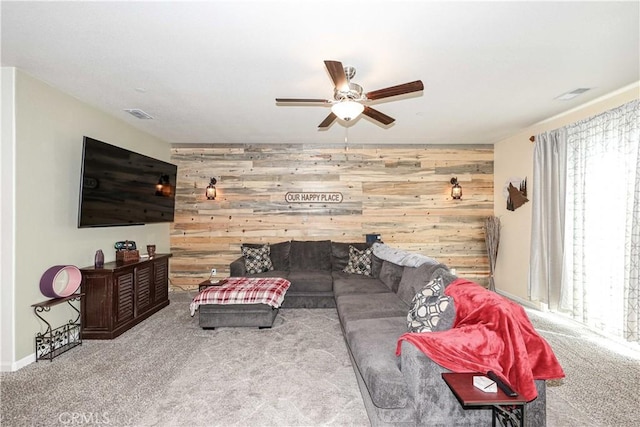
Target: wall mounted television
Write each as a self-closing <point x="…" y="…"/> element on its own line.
<point x="120" y="187"/>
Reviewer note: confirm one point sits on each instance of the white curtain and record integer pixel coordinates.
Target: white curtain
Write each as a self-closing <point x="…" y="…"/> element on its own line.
<point x="548" y="206"/>
<point x="600" y="282"/>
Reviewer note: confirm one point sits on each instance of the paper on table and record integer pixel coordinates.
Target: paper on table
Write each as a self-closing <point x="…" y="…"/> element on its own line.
<point x="485" y="384"/>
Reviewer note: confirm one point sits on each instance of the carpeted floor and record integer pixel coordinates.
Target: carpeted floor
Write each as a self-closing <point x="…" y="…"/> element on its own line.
<point x="169" y="372"/>
<point x="602" y="383"/>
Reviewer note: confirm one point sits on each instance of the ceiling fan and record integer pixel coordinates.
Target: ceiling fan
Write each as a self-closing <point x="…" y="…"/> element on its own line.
<point x="348" y="98"/>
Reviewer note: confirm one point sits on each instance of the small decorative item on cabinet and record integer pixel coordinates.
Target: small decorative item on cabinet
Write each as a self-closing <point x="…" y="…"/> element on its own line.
<point x="99" y="259"/>
<point x="126" y="256"/>
<point x="126" y="252"/>
<point x="151" y="250"/>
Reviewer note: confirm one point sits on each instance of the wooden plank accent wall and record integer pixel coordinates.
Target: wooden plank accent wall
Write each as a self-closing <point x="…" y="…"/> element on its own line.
<point x="401" y="192"/>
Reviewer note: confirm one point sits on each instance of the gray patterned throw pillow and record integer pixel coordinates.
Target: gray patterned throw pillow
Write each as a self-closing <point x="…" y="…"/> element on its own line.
<point x="359" y="261"/>
<point x="434" y="287"/>
<point x="425" y="312"/>
<point x="257" y="260"/>
<point x="429" y="307"/>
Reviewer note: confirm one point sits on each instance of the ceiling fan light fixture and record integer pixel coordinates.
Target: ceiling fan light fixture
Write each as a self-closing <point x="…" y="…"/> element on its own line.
<point x="347" y="110"/>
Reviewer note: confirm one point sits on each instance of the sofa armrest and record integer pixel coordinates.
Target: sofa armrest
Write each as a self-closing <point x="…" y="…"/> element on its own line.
<point x="434" y="400"/>
<point x="436" y="403"/>
<point x="237" y="268"/>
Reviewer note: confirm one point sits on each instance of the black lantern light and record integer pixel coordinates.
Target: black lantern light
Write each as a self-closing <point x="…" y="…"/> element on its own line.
<point x="456" y="190"/>
<point x="211" y="189"/>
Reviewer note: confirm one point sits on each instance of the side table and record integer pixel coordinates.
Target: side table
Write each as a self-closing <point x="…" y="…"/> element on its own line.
<point x="507" y="411"/>
<point x="207" y="284"/>
<point x="55" y="341"/>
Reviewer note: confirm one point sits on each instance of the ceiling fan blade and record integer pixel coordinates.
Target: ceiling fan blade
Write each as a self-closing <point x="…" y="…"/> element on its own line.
<point x="378" y="116"/>
<point x="396" y="90"/>
<point x="336" y="71"/>
<point x="327" y="121"/>
<point x="303" y="100"/>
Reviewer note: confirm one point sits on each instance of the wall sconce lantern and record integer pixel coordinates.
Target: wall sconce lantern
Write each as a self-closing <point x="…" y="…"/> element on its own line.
<point x="211" y="189"/>
<point x="163" y="187"/>
<point x="456" y="190"/>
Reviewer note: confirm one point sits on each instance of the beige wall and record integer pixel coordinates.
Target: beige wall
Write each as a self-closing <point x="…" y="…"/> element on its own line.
<point x="49" y="126"/>
<point x="513" y="157"/>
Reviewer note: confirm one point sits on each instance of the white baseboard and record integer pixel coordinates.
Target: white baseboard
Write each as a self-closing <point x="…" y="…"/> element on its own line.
<point x="11" y="367"/>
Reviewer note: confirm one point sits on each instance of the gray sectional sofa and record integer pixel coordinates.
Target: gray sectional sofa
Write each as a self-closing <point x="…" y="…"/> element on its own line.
<point x="397" y="390"/>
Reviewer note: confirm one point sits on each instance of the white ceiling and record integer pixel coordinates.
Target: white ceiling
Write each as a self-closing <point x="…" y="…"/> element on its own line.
<point x="209" y="72"/>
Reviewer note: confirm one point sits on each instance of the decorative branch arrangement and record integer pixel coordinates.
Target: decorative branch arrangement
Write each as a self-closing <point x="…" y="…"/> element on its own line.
<point x="492" y="240"/>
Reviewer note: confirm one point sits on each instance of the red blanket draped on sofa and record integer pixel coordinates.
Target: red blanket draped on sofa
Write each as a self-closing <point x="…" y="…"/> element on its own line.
<point x="490" y="333"/>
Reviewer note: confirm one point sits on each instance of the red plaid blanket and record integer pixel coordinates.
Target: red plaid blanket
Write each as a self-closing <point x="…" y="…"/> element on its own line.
<point x="244" y="290"/>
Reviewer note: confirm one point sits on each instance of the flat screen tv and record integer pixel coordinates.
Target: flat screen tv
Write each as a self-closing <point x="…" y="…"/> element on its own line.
<point x="119" y="187"/>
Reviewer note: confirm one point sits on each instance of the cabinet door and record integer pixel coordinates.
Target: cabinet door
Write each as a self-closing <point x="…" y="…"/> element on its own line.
<point x="143" y="276"/>
<point x="96" y="304"/>
<point x="161" y="280"/>
<point x="124" y="309"/>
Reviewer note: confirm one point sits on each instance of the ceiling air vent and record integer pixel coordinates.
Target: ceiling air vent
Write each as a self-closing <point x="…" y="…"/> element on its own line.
<point x="570" y="95"/>
<point x="136" y="112"/>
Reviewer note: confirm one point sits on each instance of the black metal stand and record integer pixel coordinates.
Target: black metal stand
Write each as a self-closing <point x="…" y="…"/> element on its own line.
<point x="508" y="415"/>
<point x="53" y="342"/>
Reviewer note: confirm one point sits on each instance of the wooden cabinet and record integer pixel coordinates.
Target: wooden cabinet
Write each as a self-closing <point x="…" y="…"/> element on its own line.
<point x="119" y="296"/>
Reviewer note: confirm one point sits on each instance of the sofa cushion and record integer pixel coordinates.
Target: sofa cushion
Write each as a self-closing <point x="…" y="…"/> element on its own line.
<point x="372" y="343"/>
<point x="310" y="281"/>
<point x="414" y="279"/>
<point x="340" y="254"/>
<point x="257" y="260"/>
<point x="346" y="283"/>
<point x="359" y="261"/>
<point x="401" y="257"/>
<point x="310" y="255"/>
<point x="390" y="274"/>
<point x="371" y="306"/>
<point x="279" y="254"/>
<point x="376" y="265"/>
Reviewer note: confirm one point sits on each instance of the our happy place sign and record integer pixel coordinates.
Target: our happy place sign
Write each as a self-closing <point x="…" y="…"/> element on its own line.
<point x="313" y="197"/>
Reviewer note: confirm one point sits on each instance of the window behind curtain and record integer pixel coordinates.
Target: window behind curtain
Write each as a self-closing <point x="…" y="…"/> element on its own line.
<point x="601" y="256"/>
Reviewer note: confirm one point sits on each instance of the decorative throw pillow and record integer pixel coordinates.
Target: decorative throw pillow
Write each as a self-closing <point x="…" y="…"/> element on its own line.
<point x="359" y="261"/>
<point x="434" y="288"/>
<point x="257" y="260"/>
<point x="426" y="311"/>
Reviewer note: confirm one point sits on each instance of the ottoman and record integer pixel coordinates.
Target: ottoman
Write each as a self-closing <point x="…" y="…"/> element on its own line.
<point x="240" y="301"/>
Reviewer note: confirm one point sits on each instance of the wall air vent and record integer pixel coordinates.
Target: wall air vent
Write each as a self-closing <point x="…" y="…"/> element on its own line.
<point x="136" y="112"/>
<point x="570" y="95"/>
